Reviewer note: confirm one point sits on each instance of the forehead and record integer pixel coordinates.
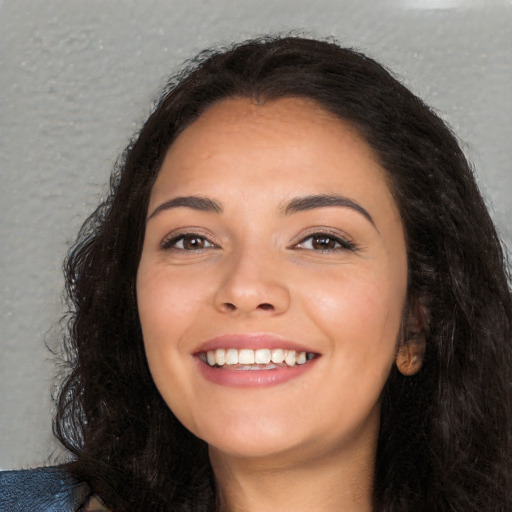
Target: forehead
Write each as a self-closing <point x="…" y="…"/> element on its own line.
<point x="286" y="146"/>
<point x="300" y="118"/>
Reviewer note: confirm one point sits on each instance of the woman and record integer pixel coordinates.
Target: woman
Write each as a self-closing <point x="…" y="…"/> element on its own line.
<point x="292" y="299"/>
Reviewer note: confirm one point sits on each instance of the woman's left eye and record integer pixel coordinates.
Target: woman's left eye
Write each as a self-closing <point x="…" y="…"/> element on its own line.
<point x="325" y="242"/>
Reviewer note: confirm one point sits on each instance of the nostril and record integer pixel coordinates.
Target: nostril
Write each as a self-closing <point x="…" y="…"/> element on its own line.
<point x="229" y="306"/>
<point x="266" y="306"/>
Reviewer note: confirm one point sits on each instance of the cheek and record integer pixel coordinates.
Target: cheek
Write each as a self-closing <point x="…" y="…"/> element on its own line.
<point x="361" y="314"/>
<point x="166" y="301"/>
<point x="163" y="311"/>
<point x="167" y="307"/>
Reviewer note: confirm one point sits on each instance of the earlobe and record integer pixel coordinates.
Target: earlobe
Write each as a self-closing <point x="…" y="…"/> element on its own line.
<point x="410" y="355"/>
<point x="411" y="351"/>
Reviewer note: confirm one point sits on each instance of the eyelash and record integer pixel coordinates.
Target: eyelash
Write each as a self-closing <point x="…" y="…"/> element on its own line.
<point x="340" y="244"/>
<point x="170" y="243"/>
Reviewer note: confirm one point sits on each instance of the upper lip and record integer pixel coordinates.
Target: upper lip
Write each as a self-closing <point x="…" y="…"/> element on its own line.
<point x="251" y="341"/>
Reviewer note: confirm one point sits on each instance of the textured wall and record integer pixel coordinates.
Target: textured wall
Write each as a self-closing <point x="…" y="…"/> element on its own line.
<point x="78" y="76"/>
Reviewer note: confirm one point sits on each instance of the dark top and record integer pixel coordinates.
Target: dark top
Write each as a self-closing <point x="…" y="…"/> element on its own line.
<point x="45" y="490"/>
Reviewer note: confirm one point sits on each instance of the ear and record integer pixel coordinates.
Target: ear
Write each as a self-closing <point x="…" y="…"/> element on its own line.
<point x="411" y="351"/>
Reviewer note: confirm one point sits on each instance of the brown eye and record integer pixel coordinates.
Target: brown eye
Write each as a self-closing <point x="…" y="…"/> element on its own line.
<point x="322" y="242"/>
<point x="325" y="242"/>
<point x="189" y="242"/>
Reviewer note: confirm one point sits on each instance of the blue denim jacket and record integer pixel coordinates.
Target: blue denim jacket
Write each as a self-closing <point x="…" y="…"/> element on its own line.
<point x="41" y="490"/>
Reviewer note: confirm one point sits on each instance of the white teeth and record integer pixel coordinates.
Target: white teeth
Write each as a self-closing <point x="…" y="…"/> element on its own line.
<point x="262" y="356"/>
<point x="290" y="358"/>
<point x="301" y="358"/>
<point x="277" y="356"/>
<point x="232" y="356"/>
<point x="246" y="356"/>
<point x="210" y="357"/>
<point x="220" y="357"/>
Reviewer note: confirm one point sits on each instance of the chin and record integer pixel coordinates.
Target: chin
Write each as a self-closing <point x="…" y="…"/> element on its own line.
<point x="250" y="440"/>
<point x="262" y="449"/>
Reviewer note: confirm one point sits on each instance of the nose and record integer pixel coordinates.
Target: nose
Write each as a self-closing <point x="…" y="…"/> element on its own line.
<point x="252" y="284"/>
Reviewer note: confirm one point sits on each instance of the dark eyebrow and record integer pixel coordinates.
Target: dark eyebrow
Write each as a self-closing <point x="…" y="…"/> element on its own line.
<point x="300" y="204"/>
<point x="202" y="204"/>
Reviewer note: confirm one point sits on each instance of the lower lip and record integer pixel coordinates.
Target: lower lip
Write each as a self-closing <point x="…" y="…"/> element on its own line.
<point x="253" y="378"/>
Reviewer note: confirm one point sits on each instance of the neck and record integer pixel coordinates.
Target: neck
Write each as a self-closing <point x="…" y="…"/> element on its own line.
<point x="323" y="483"/>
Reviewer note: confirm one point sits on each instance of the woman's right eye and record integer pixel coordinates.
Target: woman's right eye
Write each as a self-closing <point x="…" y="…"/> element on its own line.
<point x="187" y="242"/>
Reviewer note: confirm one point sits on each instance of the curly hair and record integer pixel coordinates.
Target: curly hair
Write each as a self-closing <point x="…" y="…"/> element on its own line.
<point x="445" y="440"/>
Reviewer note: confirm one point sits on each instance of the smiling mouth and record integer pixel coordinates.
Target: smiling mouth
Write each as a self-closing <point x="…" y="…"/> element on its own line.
<point x="248" y="359"/>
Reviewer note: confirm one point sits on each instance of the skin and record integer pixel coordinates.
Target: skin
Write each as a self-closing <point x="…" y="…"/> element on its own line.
<point x="308" y="443"/>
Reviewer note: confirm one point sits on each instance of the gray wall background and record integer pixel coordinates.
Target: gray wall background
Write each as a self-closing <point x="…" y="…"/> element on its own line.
<point x="78" y="76"/>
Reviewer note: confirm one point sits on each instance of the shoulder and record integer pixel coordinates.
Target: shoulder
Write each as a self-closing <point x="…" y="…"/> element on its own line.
<point x="49" y="489"/>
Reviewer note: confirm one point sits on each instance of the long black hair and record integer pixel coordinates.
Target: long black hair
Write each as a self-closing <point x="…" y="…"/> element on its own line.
<point x="445" y="439"/>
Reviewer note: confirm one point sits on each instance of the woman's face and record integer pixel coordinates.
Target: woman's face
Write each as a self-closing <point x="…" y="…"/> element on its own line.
<point x="272" y="234"/>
